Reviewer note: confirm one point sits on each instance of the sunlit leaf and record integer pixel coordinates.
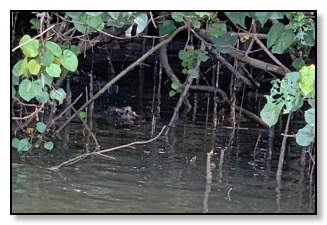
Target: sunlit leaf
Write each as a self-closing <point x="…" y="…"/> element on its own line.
<point x="172" y="93"/>
<point x="24" y="145"/>
<point x="128" y="32"/>
<point x="15" y="142"/>
<point x="217" y="29"/>
<point x="36" y="23"/>
<point x="225" y="42"/>
<point x="82" y="114"/>
<point x="34" y="67"/>
<point x="48" y="57"/>
<point x="310" y="116"/>
<point x="30" y="47"/>
<point x="307" y="79"/>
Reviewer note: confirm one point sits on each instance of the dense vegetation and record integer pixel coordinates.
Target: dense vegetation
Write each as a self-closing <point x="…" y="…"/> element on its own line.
<point x="46" y="51"/>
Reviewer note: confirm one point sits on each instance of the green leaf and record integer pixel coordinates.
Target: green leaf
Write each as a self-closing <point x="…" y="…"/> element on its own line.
<point x="128" y="32"/>
<point x="20" y="67"/>
<point x="274" y="34"/>
<point x="237" y="17"/>
<point x="184" y="71"/>
<point x="196" y="24"/>
<point x="309" y="37"/>
<point x="178" y="16"/>
<point x="93" y="13"/>
<point x="40" y="126"/>
<point x="14" y="80"/>
<point x="82" y="115"/>
<point x="43" y="97"/>
<point x="225" y="42"/>
<point x="284" y="42"/>
<point x="83" y="19"/>
<point x="34" y="67"/>
<point x="31" y="48"/>
<point x="75" y="49"/>
<point x="177" y="86"/>
<point x="28" y="90"/>
<point x="74" y="14"/>
<point x="24" y="145"/>
<point x="69" y="60"/>
<point x="202" y="56"/>
<point x="172" y="93"/>
<point x="306" y="135"/>
<point x="15" y="142"/>
<point x="36" y="23"/>
<point x="183" y="55"/>
<point x="142" y="21"/>
<point x="54" y="48"/>
<point x="217" y="29"/>
<point x="263" y="17"/>
<point x="310" y="116"/>
<point x="193" y="73"/>
<point x="46" y="79"/>
<point x="53" y="70"/>
<point x="48" y="57"/>
<point x="270" y="113"/>
<point x="48" y="145"/>
<point x="298" y="63"/>
<point x="13" y="91"/>
<point x="95" y="22"/>
<point x="307" y="79"/>
<point x="167" y="28"/>
<point x="58" y="95"/>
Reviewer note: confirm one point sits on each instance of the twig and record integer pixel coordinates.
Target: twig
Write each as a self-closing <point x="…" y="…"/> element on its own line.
<point x="271" y="55"/>
<point x="46" y="30"/>
<point x="80" y="157"/>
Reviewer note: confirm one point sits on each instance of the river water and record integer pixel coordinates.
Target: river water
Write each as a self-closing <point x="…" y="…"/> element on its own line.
<point x="169" y="175"/>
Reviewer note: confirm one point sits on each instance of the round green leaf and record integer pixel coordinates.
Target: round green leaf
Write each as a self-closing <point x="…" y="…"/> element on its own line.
<point x="43" y="97"/>
<point x="28" y="90"/>
<point x="20" y="67"/>
<point x="270" y="113"/>
<point x="58" y="95"/>
<point x="40" y="126"/>
<point x="54" y="48"/>
<point x="193" y="73"/>
<point x="48" y="145"/>
<point x="310" y="116"/>
<point x="305" y="135"/>
<point x="15" y="142"/>
<point x="53" y="70"/>
<point x="176" y="85"/>
<point x="34" y="67"/>
<point x="24" y="145"/>
<point x="82" y="114"/>
<point x="69" y="60"/>
<point x="36" y="23"/>
<point x="31" y="48"/>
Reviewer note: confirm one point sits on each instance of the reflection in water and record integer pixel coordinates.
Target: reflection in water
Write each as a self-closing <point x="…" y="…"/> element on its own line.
<point x="162" y="178"/>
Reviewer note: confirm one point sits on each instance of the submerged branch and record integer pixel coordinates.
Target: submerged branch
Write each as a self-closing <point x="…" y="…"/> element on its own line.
<point x="101" y="152"/>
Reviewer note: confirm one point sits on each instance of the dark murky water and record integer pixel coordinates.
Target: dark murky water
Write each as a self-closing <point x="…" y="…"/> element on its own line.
<point x="162" y="176"/>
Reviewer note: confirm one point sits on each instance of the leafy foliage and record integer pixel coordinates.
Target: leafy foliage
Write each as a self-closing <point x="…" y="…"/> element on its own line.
<point x="288" y="95"/>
